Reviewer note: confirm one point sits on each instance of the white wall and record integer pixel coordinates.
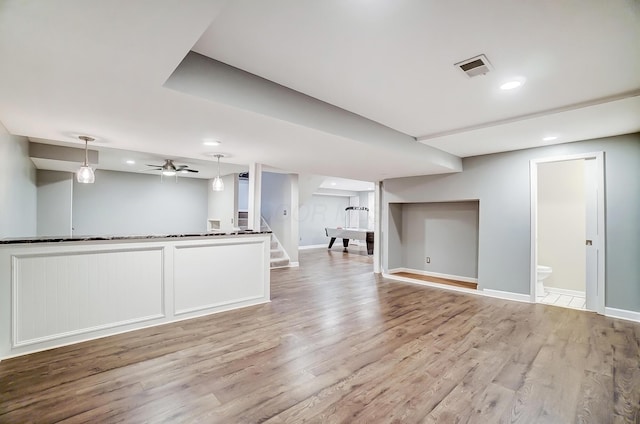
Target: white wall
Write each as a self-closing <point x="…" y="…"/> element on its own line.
<point x="501" y="183"/>
<point x="352" y="218"/>
<point x="18" y="193"/>
<point x="561" y="223"/>
<point x="362" y="219"/>
<point x="308" y="184"/>
<point x="123" y="203"/>
<point x="318" y="212"/>
<point x="223" y="205"/>
<point x="55" y="198"/>
<point x="447" y="233"/>
<point x="366" y="219"/>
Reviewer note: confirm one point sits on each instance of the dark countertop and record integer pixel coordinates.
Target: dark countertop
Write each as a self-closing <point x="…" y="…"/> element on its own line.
<point x="60" y="239"/>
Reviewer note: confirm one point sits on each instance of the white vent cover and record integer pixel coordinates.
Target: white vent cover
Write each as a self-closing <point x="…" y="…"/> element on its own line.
<point x="475" y="66"/>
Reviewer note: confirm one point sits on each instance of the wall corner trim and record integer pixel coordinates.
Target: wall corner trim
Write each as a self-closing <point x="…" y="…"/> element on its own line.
<point x="622" y="314"/>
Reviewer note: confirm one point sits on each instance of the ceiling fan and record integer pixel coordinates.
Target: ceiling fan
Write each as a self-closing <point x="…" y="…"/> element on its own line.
<point x="169" y="169"/>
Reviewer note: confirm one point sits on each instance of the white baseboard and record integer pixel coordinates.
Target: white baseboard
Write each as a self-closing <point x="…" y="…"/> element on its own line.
<point x="435" y="274"/>
<point x="518" y="297"/>
<point x="313" y="246"/>
<point x="622" y="314"/>
<point x="429" y="283"/>
<point x="567" y="292"/>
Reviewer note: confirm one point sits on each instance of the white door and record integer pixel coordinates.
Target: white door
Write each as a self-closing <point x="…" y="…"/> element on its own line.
<point x="592" y="242"/>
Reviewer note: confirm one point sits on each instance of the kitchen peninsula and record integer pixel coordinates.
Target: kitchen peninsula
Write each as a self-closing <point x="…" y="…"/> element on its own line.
<point x="58" y="291"/>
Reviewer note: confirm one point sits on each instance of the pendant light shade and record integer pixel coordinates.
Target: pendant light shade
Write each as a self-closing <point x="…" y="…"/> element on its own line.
<point x="85" y="174"/>
<point x="218" y="184"/>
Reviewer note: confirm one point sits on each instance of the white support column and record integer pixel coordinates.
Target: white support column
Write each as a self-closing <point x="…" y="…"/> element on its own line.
<point x="377" y="228"/>
<point x="255" y="194"/>
<point x="294" y="222"/>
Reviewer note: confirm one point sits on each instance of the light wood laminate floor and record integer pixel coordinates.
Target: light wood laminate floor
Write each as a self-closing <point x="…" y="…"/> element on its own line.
<point x="439" y="280"/>
<point x="338" y="344"/>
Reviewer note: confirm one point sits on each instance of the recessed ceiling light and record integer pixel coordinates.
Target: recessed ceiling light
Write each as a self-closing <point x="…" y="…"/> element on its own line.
<point x="550" y="138"/>
<point x="130" y="162"/>
<point x="510" y="85"/>
<point x="211" y="142"/>
<point x="333" y="184"/>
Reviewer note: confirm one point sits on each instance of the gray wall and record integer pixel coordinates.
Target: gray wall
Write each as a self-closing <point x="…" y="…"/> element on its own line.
<point x="622" y="163"/>
<point x="318" y="212"/>
<point x="243" y="195"/>
<point x="55" y="195"/>
<point x="127" y="204"/>
<point x="501" y="183"/>
<point x="18" y="193"/>
<point x="445" y="232"/>
<point x="277" y="209"/>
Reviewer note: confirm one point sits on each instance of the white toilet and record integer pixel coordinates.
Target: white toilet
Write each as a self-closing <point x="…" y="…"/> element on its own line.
<point x="542" y="272"/>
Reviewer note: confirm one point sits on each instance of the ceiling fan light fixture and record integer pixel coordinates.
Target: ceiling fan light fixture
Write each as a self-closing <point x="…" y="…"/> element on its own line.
<point x="85" y="174"/>
<point x="168" y="172"/>
<point x="218" y="184"/>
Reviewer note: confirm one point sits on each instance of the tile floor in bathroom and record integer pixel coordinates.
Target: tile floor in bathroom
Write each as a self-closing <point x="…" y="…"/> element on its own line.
<point x="565" y="300"/>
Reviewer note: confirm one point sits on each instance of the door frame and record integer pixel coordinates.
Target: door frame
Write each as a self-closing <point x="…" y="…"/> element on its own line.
<point x="600" y="244"/>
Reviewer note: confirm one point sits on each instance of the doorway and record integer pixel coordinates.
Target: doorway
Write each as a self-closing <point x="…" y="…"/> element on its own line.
<point x="567" y="231"/>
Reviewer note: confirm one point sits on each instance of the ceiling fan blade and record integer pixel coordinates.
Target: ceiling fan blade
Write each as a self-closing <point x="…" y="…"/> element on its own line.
<point x="189" y="170"/>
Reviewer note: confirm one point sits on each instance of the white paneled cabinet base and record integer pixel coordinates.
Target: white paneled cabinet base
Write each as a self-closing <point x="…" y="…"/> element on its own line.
<point x="53" y="294"/>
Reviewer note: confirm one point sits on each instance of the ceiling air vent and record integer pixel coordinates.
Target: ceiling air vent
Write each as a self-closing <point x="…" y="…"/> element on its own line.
<point x="475" y="66"/>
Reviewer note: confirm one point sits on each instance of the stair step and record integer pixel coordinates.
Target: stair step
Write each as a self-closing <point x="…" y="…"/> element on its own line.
<point x="276" y="253"/>
<point x="274" y="244"/>
<point x="279" y="262"/>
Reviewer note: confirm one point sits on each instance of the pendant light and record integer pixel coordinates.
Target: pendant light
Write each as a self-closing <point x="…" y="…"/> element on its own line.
<point x="217" y="184"/>
<point x="85" y="174"/>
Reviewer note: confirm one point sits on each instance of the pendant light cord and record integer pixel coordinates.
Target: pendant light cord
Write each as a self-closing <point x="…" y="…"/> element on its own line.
<point x="86" y="139"/>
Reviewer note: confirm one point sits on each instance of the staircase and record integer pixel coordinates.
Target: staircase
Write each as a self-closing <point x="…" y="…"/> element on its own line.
<point x="279" y="257"/>
<point x="243" y="220"/>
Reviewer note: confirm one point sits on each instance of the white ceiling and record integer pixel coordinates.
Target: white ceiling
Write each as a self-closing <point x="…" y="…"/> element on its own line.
<point x="334" y="183"/>
<point x="99" y="68"/>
